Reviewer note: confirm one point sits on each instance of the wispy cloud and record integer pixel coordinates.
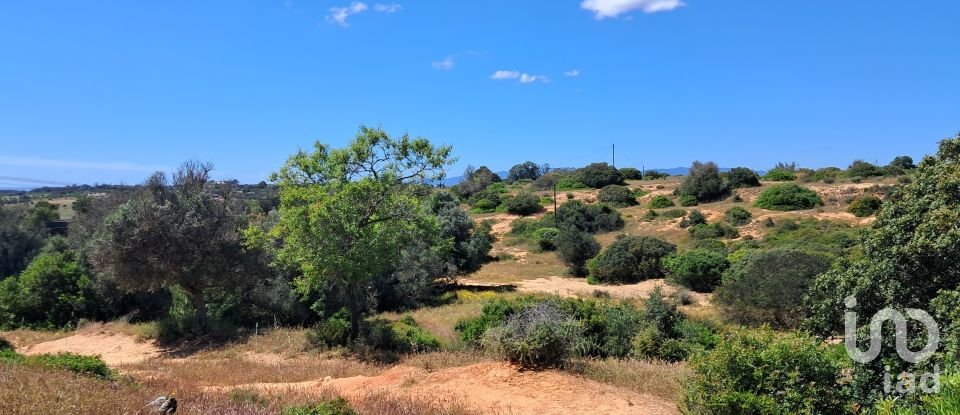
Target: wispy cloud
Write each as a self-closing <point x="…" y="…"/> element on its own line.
<point x="387" y="8"/>
<point x="339" y="15"/>
<point x="445" y="64"/>
<point x="572" y="72"/>
<point x="612" y="8"/>
<point x="74" y="164"/>
<point x="523" y="78"/>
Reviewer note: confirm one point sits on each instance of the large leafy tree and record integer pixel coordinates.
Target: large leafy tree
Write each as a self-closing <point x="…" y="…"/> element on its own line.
<point x="527" y="170"/>
<point x="703" y="182"/>
<point x="346" y="214"/>
<point x="186" y="233"/>
<point x="20" y="239"/>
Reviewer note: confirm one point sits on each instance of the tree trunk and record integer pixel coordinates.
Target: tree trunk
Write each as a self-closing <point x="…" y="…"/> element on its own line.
<point x="200" y="305"/>
<point x="353" y="305"/>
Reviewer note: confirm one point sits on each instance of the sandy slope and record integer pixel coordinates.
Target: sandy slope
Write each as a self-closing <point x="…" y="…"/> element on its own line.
<point x="114" y="349"/>
<point x="494" y="387"/>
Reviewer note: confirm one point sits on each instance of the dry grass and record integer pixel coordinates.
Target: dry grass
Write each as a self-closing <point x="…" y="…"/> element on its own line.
<point x="661" y="379"/>
<point x="200" y="371"/>
<point x="533" y="266"/>
<point x="25" y="337"/>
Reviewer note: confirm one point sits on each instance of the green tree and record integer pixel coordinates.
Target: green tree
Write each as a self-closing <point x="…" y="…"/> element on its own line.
<point x="739" y="177"/>
<point x="346" y="213"/>
<point x="631" y="173"/>
<point x="20" y="239"/>
<point x="186" y="233"/>
<point x="787" y="197"/>
<point x="862" y="169"/>
<point x="575" y="248"/>
<point x="50" y="293"/>
<point x="630" y="259"/>
<point x="598" y="175"/>
<point x="903" y="162"/>
<point x="699" y="269"/>
<point x="527" y="170"/>
<point x="703" y="182"/>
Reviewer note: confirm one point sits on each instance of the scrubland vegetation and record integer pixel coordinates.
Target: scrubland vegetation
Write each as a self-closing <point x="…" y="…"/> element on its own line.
<point x="356" y="259"/>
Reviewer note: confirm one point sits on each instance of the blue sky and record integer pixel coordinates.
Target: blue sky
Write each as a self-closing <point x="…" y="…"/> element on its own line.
<point x="108" y="91"/>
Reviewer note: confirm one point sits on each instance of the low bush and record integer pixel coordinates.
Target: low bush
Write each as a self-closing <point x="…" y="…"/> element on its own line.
<point x="538" y="336"/>
<point x="673" y="213"/>
<point x="738" y="216"/>
<point x="547" y="238"/>
<point x="787" y="197"/>
<point x="768" y="287"/>
<point x="338" y="406"/>
<point x="780" y="175"/>
<point x="617" y="195"/>
<point x="630" y="173"/>
<point x="331" y="332"/>
<point x="862" y="169"/>
<point x="413" y="338"/>
<point x="660" y="202"/>
<point x="630" y="259"/>
<point x="649" y="216"/>
<point x="688" y="200"/>
<point x="762" y="372"/>
<point x="83" y="365"/>
<point x="522" y="204"/>
<point x="713" y="230"/>
<point x="864" y="205"/>
<point x="575" y="248"/>
<point x="699" y="270"/>
<point x="598" y="175"/>
<point x="694" y="218"/>
<point x="703" y="182"/>
<point x="593" y="218"/>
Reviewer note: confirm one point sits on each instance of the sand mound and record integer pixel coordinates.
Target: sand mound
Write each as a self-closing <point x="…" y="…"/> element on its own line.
<point x="114" y="349"/>
<point x="497" y="388"/>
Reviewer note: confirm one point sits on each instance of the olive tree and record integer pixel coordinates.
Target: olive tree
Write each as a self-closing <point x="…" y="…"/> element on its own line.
<point x="186" y="233"/>
<point x="345" y="214"/>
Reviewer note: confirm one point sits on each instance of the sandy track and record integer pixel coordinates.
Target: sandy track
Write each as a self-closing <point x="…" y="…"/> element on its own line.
<point x="494" y="387"/>
<point x="114" y="349"/>
<point x="578" y="287"/>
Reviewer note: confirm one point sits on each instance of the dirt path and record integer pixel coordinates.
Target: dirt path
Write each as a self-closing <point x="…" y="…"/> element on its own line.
<point x="115" y="349"/>
<point x="494" y="387"/>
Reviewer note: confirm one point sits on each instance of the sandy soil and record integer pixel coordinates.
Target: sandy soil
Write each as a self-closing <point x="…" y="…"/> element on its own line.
<point x="495" y="387"/>
<point x="578" y="287"/>
<point x="113" y="348"/>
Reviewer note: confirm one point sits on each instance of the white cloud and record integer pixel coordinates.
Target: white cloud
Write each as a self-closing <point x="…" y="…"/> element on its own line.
<point x="339" y="15"/>
<point x="387" y="8"/>
<point x="446" y="64"/>
<point x="613" y="8"/>
<point x="572" y="72"/>
<point x="523" y="78"/>
<point x="505" y="75"/>
<point x="526" y="79"/>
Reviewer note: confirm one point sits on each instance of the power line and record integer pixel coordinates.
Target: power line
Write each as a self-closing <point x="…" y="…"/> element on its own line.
<point x="36" y="181"/>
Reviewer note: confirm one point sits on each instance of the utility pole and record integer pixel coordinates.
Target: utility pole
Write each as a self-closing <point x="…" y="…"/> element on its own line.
<point x="614" y="156"/>
<point x="556" y="214"/>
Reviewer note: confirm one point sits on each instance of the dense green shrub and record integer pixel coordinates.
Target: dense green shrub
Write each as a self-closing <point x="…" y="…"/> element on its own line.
<point x="539" y="336"/>
<point x="630" y="259"/>
<point x="331" y="332"/>
<point x="688" y="200"/>
<point x="713" y="230"/>
<point x="654" y="175"/>
<point x="673" y="213"/>
<point x="660" y="202"/>
<point x="617" y="195"/>
<point x="761" y="372"/>
<point x="591" y="218"/>
<point x="522" y="204"/>
<point x="84" y="365"/>
<point x="338" y="406"/>
<point x="547" y="181"/>
<point x="740" y="177"/>
<point x="780" y="175"/>
<point x="475" y="180"/>
<point x="945" y="402"/>
<point x="738" y="216"/>
<point x="695" y="218"/>
<point x="567" y="182"/>
<point x="575" y="248"/>
<point x="788" y="197"/>
<point x="864" y="205"/>
<point x="699" y="270"/>
<point x="413" y="338"/>
<point x="825" y="174"/>
<point x="50" y="293"/>
<point x="630" y="173"/>
<point x="703" y="182"/>
<point x="609" y="328"/>
<point x="598" y="175"/>
<point x="547" y="238"/>
<point x="20" y="238"/>
<point x="768" y="287"/>
<point x="862" y="169"/>
<point x="903" y="163"/>
<point x="5" y="345"/>
<point x="649" y="216"/>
